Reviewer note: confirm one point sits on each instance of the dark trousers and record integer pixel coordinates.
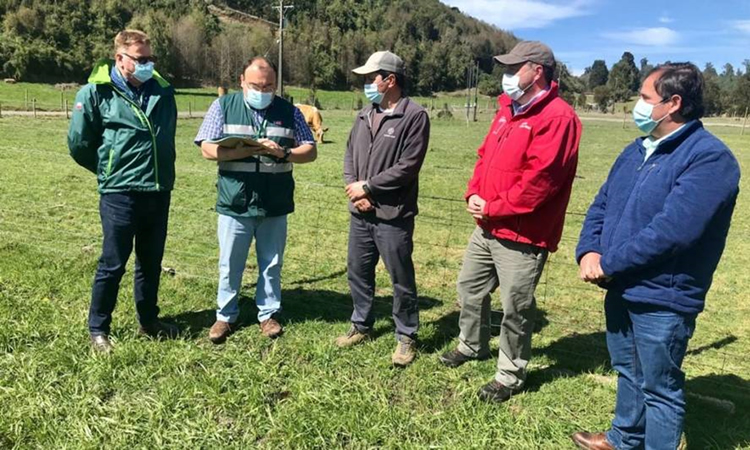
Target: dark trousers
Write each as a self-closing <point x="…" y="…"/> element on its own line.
<point x="647" y="345"/>
<point x="126" y="217"/>
<point x="370" y="239"/>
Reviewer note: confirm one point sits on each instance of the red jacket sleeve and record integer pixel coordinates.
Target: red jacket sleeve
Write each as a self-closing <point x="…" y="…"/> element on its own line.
<point x="551" y="160"/>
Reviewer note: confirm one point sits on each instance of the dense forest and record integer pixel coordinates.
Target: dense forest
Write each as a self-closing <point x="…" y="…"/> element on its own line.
<point x="198" y="42"/>
<point x="204" y="42"/>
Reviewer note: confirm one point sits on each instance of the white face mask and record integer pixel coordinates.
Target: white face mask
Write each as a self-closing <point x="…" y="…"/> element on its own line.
<point x="512" y="86"/>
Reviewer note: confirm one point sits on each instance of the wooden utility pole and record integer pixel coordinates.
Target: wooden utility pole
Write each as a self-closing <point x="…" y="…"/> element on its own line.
<point x="476" y="90"/>
<point x="282" y="9"/>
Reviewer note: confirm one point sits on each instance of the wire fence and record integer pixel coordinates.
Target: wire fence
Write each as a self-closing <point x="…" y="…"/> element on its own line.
<point x="68" y="228"/>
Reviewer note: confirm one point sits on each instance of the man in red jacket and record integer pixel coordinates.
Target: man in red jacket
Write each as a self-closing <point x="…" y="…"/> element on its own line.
<point x="518" y="196"/>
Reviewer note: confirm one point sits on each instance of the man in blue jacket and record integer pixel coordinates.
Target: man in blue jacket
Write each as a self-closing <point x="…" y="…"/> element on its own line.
<point x="653" y="238"/>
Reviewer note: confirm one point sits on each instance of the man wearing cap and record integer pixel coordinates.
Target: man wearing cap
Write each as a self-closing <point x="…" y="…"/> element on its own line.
<point x="518" y="195"/>
<point x="384" y="154"/>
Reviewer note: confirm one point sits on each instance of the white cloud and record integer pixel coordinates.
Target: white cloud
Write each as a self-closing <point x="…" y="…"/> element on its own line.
<point x="742" y="25"/>
<point x="649" y="37"/>
<point x="665" y="19"/>
<point x="518" y="14"/>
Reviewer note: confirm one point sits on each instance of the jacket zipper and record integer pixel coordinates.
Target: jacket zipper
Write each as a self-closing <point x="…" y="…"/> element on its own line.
<point x="636" y="187"/>
<point x="144" y="120"/>
<point x="109" y="163"/>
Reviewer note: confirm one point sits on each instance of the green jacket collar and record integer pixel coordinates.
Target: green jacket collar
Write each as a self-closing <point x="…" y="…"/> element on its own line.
<point x="100" y="74"/>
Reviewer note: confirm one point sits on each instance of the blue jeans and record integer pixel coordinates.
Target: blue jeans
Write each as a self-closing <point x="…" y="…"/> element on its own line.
<point x="647" y="345"/>
<point x="235" y="237"/>
<point x="129" y="216"/>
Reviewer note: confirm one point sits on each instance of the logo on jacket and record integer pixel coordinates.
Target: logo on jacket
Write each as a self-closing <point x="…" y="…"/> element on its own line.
<point x="390" y="133"/>
<point x="500" y="125"/>
<point x="525" y="126"/>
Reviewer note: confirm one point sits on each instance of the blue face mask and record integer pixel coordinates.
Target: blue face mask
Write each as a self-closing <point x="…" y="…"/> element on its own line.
<point x="642" y="116"/>
<point x="257" y="99"/>
<point x="143" y="72"/>
<point x="372" y="93"/>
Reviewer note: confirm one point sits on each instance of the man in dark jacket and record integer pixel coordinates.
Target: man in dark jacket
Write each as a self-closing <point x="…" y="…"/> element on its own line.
<point x="653" y="238"/>
<point x="123" y="130"/>
<point x="384" y="154"/>
<point x="518" y="195"/>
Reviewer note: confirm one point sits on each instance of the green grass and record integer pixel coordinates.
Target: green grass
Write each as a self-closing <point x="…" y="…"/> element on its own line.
<point x="300" y="391"/>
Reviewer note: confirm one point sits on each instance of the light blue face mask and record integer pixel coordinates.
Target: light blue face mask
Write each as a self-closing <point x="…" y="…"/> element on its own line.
<point x="642" y="116"/>
<point x="257" y="99"/>
<point x="143" y="72"/>
<point x="372" y="93"/>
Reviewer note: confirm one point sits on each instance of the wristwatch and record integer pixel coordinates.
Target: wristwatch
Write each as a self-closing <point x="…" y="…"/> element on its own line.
<point x="287" y="153"/>
<point x="366" y="188"/>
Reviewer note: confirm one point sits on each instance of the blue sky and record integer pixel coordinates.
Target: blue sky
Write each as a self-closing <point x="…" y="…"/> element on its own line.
<point x="580" y="31"/>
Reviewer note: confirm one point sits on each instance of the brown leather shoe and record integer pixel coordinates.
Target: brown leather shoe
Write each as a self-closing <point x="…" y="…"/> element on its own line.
<point x="592" y="441"/>
<point x="219" y="332"/>
<point x="271" y="328"/>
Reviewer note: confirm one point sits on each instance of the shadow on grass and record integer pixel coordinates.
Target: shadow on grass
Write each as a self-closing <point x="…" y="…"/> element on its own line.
<point x="446" y="329"/>
<point x="718" y="412"/>
<point x="299" y="305"/>
<point x="718" y="406"/>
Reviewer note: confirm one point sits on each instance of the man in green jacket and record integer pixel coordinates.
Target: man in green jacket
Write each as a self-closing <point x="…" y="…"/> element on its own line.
<point x="123" y="130"/>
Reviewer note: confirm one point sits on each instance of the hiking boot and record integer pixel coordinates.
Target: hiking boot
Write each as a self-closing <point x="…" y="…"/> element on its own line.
<point x="455" y="358"/>
<point x="405" y="352"/>
<point x="271" y="328"/>
<point x="497" y="392"/>
<point x="101" y="343"/>
<point x="352" y="337"/>
<point x="219" y="332"/>
<point x="159" y="330"/>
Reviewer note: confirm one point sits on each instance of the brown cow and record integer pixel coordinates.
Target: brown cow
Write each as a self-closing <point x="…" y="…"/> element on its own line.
<point x="315" y="120"/>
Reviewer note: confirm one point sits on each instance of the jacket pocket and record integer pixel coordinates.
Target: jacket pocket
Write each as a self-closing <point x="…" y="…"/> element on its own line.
<point x="231" y="193"/>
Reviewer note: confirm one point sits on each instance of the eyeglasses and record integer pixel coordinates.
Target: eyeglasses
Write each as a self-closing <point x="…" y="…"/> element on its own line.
<point x="370" y="78"/>
<point x="142" y="59"/>
<point x="266" y="88"/>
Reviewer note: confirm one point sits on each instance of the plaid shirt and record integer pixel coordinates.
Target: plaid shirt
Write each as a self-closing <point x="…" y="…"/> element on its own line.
<point x="213" y="125"/>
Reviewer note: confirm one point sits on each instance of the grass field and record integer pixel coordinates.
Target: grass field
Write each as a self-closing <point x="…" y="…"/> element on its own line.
<point x="46" y="97"/>
<point x="300" y="391"/>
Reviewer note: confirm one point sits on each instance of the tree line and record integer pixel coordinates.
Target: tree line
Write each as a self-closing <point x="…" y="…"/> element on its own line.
<point x="203" y="42"/>
<point x="725" y="93"/>
<point x="57" y="41"/>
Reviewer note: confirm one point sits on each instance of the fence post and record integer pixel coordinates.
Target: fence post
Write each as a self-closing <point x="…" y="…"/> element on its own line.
<point x="744" y="123"/>
<point x="67" y="111"/>
<point x="26" y="100"/>
<point x="62" y="101"/>
<point x="624" y="120"/>
<point x="190" y="109"/>
<point x="33" y="106"/>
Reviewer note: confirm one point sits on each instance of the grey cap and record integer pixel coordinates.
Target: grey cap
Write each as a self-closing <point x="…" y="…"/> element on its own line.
<point x="384" y="60"/>
<point x="525" y="51"/>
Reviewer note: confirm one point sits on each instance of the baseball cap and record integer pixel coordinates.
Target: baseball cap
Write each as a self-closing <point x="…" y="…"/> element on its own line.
<point x="525" y="51"/>
<point x="383" y="60"/>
